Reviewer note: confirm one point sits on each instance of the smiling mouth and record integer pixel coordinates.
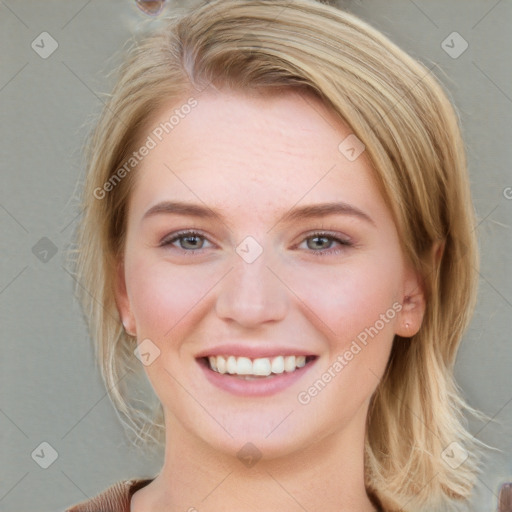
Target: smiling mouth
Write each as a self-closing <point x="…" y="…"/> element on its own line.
<point x="257" y="368"/>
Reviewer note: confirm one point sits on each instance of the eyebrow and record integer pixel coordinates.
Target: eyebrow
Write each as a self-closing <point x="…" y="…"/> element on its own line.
<point x="295" y="214"/>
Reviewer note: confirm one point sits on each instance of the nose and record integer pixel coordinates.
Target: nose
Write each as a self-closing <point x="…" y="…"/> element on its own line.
<point x="252" y="294"/>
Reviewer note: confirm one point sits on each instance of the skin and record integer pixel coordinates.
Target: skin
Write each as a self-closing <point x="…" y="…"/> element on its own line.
<point x="252" y="158"/>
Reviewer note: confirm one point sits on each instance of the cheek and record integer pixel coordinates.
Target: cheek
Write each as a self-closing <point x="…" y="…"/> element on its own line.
<point x="353" y="310"/>
<point x="349" y="298"/>
<point x="162" y="294"/>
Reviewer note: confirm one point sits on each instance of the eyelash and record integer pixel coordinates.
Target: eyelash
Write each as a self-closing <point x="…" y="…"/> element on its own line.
<point x="320" y="234"/>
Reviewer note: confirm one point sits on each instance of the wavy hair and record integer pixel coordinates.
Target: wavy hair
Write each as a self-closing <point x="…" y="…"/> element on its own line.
<point x="398" y="109"/>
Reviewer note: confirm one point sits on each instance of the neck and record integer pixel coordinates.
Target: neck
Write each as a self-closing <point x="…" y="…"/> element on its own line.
<point x="327" y="475"/>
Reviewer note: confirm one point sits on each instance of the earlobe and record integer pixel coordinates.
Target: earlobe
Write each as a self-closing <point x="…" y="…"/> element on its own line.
<point x="413" y="306"/>
<point x="122" y="301"/>
<point x="414" y="296"/>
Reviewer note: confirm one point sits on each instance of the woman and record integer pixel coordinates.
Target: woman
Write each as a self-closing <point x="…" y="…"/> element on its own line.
<point x="278" y="229"/>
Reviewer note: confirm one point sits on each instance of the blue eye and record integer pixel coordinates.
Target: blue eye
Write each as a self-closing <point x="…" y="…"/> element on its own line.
<point x="193" y="241"/>
<point x="188" y="240"/>
<point x="330" y="239"/>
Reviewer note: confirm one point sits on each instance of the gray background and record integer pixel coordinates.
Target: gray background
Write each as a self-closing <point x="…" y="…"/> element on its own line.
<point x="50" y="389"/>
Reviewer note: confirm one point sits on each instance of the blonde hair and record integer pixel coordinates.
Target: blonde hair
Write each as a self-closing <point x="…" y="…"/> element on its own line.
<point x="397" y="108"/>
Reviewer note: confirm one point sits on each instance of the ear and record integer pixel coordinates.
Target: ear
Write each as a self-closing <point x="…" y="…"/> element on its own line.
<point x="123" y="301"/>
<point x="414" y="299"/>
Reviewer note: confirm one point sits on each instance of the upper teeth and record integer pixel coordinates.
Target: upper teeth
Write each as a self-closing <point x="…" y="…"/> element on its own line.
<point x="262" y="366"/>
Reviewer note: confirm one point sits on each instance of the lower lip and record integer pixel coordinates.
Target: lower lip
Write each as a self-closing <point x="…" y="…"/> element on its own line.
<point x="257" y="387"/>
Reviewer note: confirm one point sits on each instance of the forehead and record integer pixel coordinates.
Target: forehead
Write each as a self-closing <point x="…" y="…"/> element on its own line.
<point x="234" y="148"/>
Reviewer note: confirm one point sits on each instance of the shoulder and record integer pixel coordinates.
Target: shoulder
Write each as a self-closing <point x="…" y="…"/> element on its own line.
<point x="116" y="498"/>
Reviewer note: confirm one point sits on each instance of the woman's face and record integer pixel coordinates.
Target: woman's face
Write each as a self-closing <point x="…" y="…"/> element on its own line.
<point x="293" y="253"/>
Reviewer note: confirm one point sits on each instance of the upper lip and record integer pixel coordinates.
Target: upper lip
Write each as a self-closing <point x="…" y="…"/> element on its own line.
<point x="253" y="352"/>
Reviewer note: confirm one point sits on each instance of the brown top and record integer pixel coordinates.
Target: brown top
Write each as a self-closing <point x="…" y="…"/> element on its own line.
<point x="116" y="498"/>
